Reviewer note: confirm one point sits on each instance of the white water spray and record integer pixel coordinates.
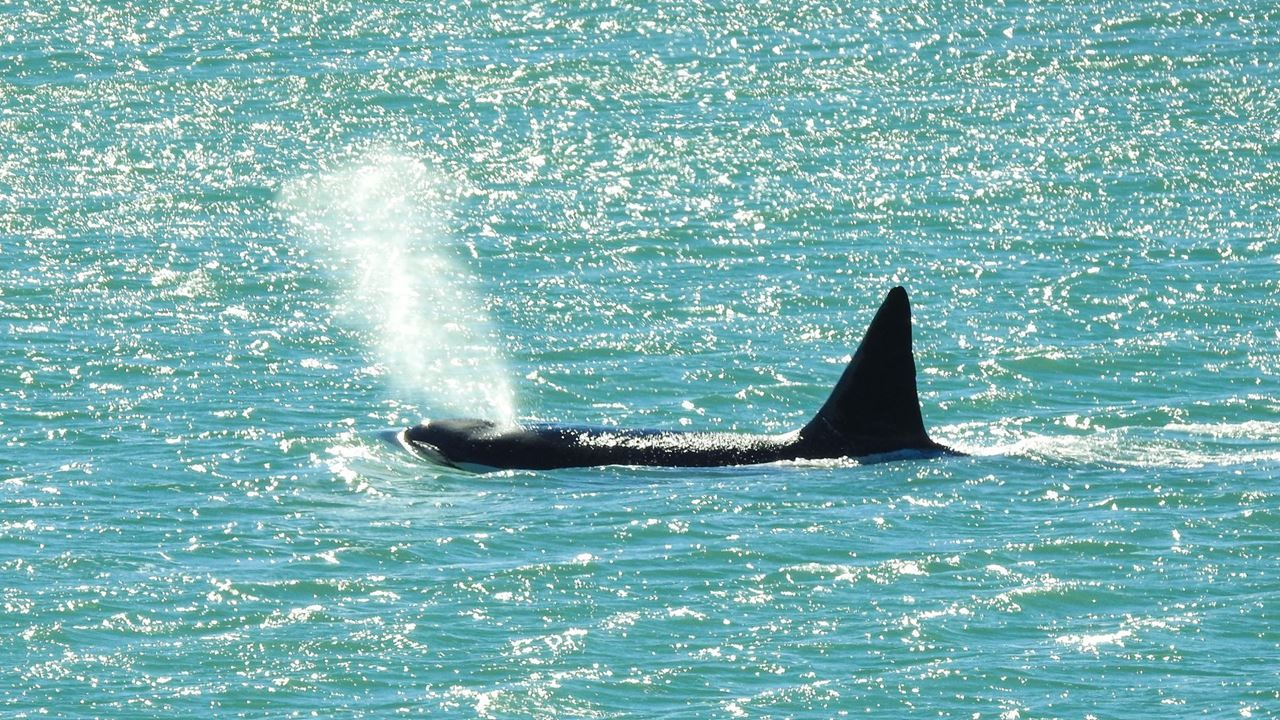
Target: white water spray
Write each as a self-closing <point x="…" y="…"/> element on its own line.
<point x="378" y="223"/>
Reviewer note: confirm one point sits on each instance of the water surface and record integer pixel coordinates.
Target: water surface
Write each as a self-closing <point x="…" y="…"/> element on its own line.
<point x="237" y="241"/>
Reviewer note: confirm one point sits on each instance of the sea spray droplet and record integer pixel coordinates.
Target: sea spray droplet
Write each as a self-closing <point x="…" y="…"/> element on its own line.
<point x="379" y="223"/>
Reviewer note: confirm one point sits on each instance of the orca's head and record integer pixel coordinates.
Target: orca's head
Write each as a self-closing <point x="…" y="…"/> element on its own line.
<point x="447" y="440"/>
<point x="435" y="432"/>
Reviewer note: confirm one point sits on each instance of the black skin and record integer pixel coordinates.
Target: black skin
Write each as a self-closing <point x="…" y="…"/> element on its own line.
<point x="873" y="410"/>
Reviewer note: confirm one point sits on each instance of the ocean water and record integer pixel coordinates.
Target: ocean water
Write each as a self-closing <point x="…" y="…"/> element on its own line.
<point x="238" y="240"/>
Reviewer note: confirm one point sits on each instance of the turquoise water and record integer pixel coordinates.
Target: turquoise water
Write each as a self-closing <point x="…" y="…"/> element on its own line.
<point x="237" y="241"/>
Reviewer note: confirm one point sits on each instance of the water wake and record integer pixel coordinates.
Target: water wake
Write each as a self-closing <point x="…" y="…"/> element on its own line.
<point x="378" y="224"/>
<point x="1174" y="445"/>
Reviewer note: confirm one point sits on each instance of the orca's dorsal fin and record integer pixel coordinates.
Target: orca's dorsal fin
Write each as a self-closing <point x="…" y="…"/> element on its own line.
<point x="875" y="408"/>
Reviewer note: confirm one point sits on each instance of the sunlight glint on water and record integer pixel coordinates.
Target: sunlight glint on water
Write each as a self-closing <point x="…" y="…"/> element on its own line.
<point x="214" y="297"/>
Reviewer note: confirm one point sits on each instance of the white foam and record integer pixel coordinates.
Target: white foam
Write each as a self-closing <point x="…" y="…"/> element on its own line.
<point x="1139" y="447"/>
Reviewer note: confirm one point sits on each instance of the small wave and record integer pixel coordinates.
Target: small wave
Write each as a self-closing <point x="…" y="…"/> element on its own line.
<point x="1247" y="430"/>
<point x="1091" y="643"/>
<point x="1143" y="447"/>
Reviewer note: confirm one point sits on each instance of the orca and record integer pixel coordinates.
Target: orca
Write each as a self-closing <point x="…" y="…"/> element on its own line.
<point x="874" y="410"/>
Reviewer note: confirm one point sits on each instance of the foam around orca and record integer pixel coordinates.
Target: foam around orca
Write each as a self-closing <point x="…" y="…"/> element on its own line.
<point x="873" y="410"/>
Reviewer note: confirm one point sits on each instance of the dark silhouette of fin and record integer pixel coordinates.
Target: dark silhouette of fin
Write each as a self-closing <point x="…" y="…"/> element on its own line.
<point x="875" y="408"/>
